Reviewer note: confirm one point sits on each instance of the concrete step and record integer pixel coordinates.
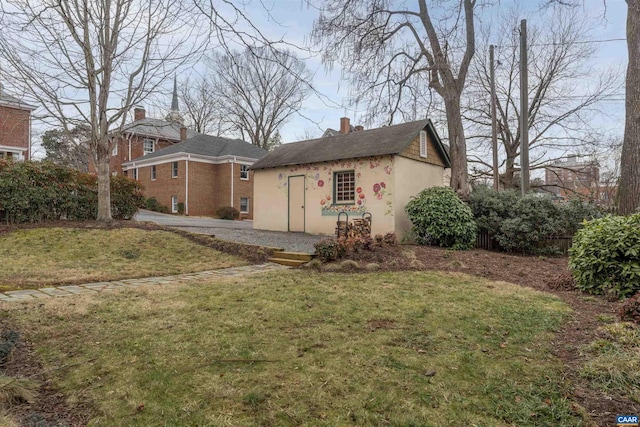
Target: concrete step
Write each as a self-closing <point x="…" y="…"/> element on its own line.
<point x="288" y="262"/>
<point x="300" y="256"/>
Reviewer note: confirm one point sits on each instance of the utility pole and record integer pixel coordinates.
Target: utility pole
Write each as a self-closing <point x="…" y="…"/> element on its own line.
<point x="494" y="126"/>
<point x="524" y="110"/>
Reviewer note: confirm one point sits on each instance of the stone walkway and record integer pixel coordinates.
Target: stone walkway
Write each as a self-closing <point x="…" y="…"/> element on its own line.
<point x="94" y="288"/>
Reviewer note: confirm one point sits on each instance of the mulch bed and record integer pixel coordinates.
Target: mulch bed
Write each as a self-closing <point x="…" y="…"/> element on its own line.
<point x="549" y="274"/>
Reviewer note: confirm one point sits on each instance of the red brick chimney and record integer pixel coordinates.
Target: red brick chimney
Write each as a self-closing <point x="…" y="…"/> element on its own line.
<point x="183" y="133"/>
<point x="359" y="128"/>
<point x="139" y="113"/>
<point x="345" y="126"/>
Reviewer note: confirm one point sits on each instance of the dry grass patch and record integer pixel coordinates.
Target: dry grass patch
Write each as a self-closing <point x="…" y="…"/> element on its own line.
<point x="302" y="348"/>
<point x="40" y="257"/>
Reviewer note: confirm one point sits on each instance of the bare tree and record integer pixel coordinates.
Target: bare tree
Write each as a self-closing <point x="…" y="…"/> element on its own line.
<point x="629" y="188"/>
<point x="90" y="62"/>
<point x="560" y="115"/>
<point x="258" y="90"/>
<point x="69" y="149"/>
<point x="202" y="107"/>
<point x="392" y="52"/>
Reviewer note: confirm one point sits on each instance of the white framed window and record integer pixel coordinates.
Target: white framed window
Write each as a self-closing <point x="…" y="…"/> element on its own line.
<point x="174" y="204"/>
<point x="114" y="149"/>
<point x="244" y="205"/>
<point x="344" y="187"/>
<point x="153" y="173"/>
<point x="423" y="144"/>
<point x="147" y="146"/>
<point x="135" y="174"/>
<point x="244" y="172"/>
<point x="174" y="169"/>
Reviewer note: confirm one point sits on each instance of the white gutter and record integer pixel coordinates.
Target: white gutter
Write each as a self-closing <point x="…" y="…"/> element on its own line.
<point x="129" y="141"/>
<point x="186" y="190"/>
<point x="29" y="142"/>
<point x="232" y="163"/>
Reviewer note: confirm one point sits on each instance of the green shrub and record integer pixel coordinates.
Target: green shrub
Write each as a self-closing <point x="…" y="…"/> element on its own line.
<point x="329" y="250"/>
<point x="491" y="207"/>
<point x="605" y="257"/>
<point x="534" y="218"/>
<point x="630" y="310"/>
<point x="575" y="212"/>
<point x="227" y="212"/>
<point x="180" y="208"/>
<point x="41" y="191"/>
<point x="152" y="204"/>
<point x="440" y="218"/>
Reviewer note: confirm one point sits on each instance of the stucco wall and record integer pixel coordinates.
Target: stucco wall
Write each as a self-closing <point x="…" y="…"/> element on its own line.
<point x="410" y="178"/>
<point x="374" y="193"/>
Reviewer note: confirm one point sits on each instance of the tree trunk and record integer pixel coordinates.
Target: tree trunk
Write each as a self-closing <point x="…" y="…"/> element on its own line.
<point x="457" y="147"/>
<point x="629" y="187"/>
<point x="509" y="173"/>
<point x="104" y="183"/>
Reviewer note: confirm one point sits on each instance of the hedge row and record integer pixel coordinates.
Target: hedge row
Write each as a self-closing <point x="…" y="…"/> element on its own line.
<point x="43" y="191"/>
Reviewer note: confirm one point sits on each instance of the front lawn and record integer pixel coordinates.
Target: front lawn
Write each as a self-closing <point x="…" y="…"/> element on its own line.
<point x="40" y="257"/>
<point x="298" y="348"/>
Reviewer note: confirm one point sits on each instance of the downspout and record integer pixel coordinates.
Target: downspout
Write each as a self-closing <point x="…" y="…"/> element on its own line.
<point x="232" y="163"/>
<point x="186" y="194"/>
<point x="29" y="150"/>
<point x="129" y="141"/>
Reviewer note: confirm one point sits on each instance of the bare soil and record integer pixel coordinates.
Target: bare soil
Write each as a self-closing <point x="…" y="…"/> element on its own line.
<point x="549" y="274"/>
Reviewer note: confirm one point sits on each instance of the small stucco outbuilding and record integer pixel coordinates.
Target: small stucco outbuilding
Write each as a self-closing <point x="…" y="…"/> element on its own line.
<point x="303" y="186"/>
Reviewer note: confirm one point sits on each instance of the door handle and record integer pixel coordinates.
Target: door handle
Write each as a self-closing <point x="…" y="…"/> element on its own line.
<point x="302" y="207"/>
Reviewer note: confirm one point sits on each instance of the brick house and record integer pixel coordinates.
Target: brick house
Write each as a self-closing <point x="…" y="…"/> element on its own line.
<point x="304" y="186"/>
<point x="15" y="127"/>
<point x="202" y="174"/>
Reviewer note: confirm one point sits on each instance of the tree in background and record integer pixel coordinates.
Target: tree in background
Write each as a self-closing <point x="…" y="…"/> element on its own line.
<point x="395" y="54"/>
<point x="629" y="187"/>
<point x="258" y="90"/>
<point x="203" y="108"/>
<point x="67" y="148"/>
<point x="90" y="62"/>
<point x="559" y="117"/>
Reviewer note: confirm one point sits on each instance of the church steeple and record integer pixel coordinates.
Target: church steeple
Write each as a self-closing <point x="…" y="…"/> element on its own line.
<point x="174" y="115"/>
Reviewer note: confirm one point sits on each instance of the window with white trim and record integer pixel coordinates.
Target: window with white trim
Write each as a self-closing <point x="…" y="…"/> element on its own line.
<point x="114" y="150"/>
<point x="153" y="173"/>
<point x="174" y="204"/>
<point x="344" y="187"/>
<point x="244" y="172"/>
<point x="147" y="146"/>
<point x="174" y="169"/>
<point x="423" y="144"/>
<point x="135" y="174"/>
<point x="244" y="205"/>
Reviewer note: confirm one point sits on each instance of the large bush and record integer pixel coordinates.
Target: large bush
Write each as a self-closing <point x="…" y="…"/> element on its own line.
<point x="41" y="191"/>
<point x="440" y="218"/>
<point x="227" y="212"/>
<point x="521" y="223"/>
<point x="605" y="257"/>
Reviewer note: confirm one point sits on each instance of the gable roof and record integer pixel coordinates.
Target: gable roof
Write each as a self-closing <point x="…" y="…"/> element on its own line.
<point x="367" y="143"/>
<point x="210" y="146"/>
<point x="157" y="128"/>
<point x="12" y="101"/>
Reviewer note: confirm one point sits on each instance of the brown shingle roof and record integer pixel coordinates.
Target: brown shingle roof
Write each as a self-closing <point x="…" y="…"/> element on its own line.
<point x="375" y="142"/>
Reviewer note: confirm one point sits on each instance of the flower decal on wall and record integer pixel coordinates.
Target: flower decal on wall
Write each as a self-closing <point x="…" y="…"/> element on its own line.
<point x="320" y="183"/>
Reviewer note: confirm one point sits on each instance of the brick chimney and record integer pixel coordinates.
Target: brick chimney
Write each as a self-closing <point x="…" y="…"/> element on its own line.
<point x="183" y="133"/>
<point x="359" y="128"/>
<point x="139" y="113"/>
<point x="345" y="126"/>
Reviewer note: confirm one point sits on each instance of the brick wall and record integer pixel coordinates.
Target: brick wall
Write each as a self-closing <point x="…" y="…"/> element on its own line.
<point x="137" y="151"/>
<point x="209" y="186"/>
<point x="14" y="128"/>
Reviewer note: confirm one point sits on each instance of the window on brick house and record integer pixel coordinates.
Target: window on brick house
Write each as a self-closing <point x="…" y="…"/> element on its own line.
<point x="244" y="172"/>
<point x="244" y="205"/>
<point x="174" y="170"/>
<point x="135" y="174"/>
<point x="114" y="150"/>
<point x="344" y="187"/>
<point x="153" y="173"/>
<point x="174" y="204"/>
<point x="147" y="146"/>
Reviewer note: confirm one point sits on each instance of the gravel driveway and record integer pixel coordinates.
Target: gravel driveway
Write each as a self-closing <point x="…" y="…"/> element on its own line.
<point x="235" y="231"/>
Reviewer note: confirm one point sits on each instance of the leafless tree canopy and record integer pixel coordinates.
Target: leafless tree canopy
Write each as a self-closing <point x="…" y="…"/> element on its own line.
<point x="394" y="53"/>
<point x="92" y="61"/>
<point x="560" y="115"/>
<point x="202" y="106"/>
<point x="258" y="90"/>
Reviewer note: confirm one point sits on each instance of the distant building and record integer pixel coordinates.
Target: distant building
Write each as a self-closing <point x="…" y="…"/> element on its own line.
<point x="15" y="127"/>
<point x="573" y="176"/>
